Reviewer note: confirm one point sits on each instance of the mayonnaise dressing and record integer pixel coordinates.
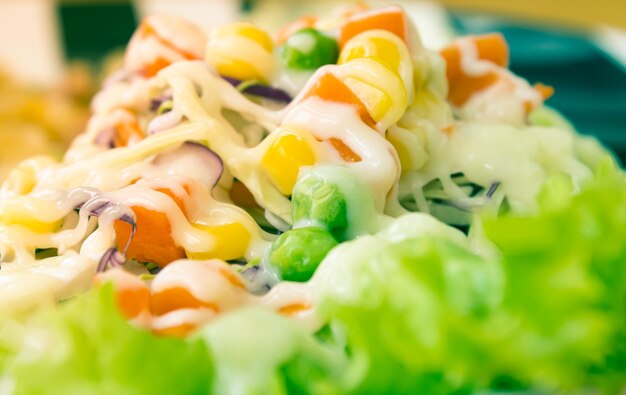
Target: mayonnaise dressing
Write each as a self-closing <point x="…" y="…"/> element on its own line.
<point x="379" y="167"/>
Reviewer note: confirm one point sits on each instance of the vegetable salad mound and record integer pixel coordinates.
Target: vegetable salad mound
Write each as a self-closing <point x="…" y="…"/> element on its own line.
<point x="333" y="209"/>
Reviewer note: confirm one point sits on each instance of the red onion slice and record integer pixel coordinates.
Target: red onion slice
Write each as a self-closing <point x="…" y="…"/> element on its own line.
<point x="265" y="91"/>
<point x="110" y="259"/>
<point x="105" y="137"/>
<point x="194" y="160"/>
<point x="164" y="121"/>
<point x="156" y="102"/>
<point x="99" y="205"/>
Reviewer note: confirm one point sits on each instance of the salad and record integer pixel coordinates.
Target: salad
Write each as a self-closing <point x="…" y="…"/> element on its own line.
<point x="332" y="210"/>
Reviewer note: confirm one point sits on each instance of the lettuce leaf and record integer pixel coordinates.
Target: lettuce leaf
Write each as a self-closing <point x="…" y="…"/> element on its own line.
<point x="258" y="352"/>
<point x="86" y="347"/>
<point x="566" y="270"/>
<point x="409" y="329"/>
<point x="410" y="310"/>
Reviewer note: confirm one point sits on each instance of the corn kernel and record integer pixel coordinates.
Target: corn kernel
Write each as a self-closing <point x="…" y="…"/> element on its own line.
<point x="284" y="158"/>
<point x="247" y="30"/>
<point x="380" y="89"/>
<point x="23" y="178"/>
<point x="383" y="47"/>
<point x="241" y="51"/>
<point x="376" y="101"/>
<point x="237" y="69"/>
<point x="17" y="216"/>
<point x="410" y="148"/>
<point x="231" y="241"/>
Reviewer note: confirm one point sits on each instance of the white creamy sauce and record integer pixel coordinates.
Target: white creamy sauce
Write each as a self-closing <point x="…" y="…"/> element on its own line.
<point x="25" y="284"/>
<point x="379" y="166"/>
<point x="519" y="158"/>
<point x="489" y="144"/>
<point x="180" y="317"/>
<point x="505" y="101"/>
<point x="204" y="280"/>
<point x="292" y="81"/>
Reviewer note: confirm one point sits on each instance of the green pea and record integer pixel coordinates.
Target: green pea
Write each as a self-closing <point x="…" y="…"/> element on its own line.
<point x="315" y="199"/>
<point x="296" y="253"/>
<point x="309" y="49"/>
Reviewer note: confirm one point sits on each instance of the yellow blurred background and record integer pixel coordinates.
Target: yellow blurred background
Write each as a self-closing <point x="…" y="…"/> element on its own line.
<point x="581" y="13"/>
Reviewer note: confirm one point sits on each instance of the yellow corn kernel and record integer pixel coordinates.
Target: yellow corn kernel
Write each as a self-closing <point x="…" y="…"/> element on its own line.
<point x="231" y="241"/>
<point x="380" y="89"/>
<point x="237" y="69"/>
<point x="242" y="51"/>
<point x="247" y="30"/>
<point x="23" y="178"/>
<point x="383" y="47"/>
<point x="16" y="216"/>
<point x="409" y="146"/>
<point x="375" y="101"/>
<point x="284" y="158"/>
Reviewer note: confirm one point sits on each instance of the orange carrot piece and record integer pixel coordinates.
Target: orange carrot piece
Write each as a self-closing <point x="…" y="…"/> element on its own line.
<point x="133" y="301"/>
<point x="346" y="152"/>
<point x="171" y="299"/>
<point x="448" y="129"/>
<point x="132" y="295"/>
<point x="545" y="91"/>
<point x="152" y="241"/>
<point x="391" y="19"/>
<point x="463" y="88"/>
<point x="492" y="47"/>
<point x="148" y="30"/>
<point x="125" y="132"/>
<point x="232" y="278"/>
<point x="294" y="309"/>
<point x="150" y="70"/>
<point x="293" y="27"/>
<point x="181" y="330"/>
<point x="179" y="200"/>
<point x="328" y="87"/>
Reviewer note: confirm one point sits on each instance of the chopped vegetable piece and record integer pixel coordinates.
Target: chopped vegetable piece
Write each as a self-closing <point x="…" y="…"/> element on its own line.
<point x="284" y="158"/>
<point x="296" y="254"/>
<point x="489" y="47"/>
<point x="175" y="298"/>
<point x="545" y="91"/>
<point x="152" y="241"/>
<point x="309" y="49"/>
<point x="392" y="19"/>
<point x="241" y="51"/>
<point x="132" y="294"/>
<point x="126" y="133"/>
<point x="346" y="152"/>
<point x="257" y="89"/>
<point x="317" y="200"/>
<point x="231" y="241"/>
<point x="329" y="87"/>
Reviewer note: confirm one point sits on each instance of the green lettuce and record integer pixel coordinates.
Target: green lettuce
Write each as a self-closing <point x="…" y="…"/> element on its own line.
<point x="86" y="347"/>
<point x="410" y="310"/>
<point x="409" y="319"/>
<point x="258" y="352"/>
<point x="566" y="284"/>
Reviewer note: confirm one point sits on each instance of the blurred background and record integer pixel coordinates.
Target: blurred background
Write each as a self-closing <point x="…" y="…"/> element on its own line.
<point x="54" y="54"/>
